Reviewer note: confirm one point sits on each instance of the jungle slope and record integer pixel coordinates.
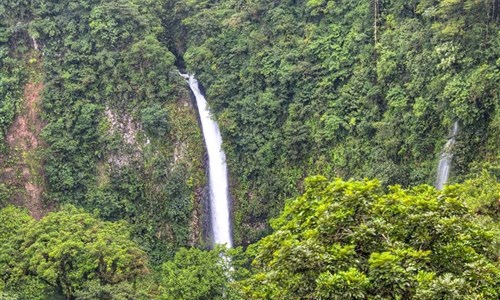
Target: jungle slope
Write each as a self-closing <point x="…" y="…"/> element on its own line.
<point x="23" y="171"/>
<point x="120" y="136"/>
<point x="345" y="88"/>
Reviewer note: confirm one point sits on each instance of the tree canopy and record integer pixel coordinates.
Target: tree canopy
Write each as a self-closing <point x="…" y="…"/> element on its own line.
<point x="65" y="252"/>
<point x="355" y="240"/>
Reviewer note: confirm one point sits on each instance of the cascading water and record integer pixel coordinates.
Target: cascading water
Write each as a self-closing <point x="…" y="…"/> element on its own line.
<point x="219" y="200"/>
<point x="35" y="44"/>
<point x="444" y="165"/>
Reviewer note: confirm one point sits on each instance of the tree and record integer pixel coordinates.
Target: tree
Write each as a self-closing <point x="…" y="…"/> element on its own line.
<point x="14" y="282"/>
<point x="155" y="120"/>
<point x="195" y="274"/>
<point x="68" y="252"/>
<point x="353" y="240"/>
<point x="481" y="193"/>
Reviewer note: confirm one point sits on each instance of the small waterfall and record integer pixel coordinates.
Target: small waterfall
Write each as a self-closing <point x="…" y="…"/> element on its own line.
<point x="35" y="44"/>
<point x="219" y="193"/>
<point x="444" y="165"/>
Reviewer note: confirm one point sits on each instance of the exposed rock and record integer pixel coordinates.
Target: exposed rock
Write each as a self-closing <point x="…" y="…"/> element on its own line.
<point x="127" y="128"/>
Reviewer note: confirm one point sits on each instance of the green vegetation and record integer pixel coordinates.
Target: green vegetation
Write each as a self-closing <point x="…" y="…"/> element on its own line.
<point x="339" y="240"/>
<point x="13" y="48"/>
<point x="104" y="69"/>
<point x="352" y="240"/>
<point x="120" y="140"/>
<point x="68" y="252"/>
<point x="345" y="88"/>
<point x="73" y="254"/>
<point x="194" y="274"/>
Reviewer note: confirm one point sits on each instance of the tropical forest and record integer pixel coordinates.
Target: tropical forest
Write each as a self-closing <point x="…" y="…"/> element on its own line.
<point x="249" y="149"/>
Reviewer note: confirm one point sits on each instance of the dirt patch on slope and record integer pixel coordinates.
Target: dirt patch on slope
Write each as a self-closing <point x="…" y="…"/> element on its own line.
<point x="23" y="168"/>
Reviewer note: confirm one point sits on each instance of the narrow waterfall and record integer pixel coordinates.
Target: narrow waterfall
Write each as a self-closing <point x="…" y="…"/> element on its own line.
<point x="218" y="182"/>
<point x="35" y="44"/>
<point x="444" y="165"/>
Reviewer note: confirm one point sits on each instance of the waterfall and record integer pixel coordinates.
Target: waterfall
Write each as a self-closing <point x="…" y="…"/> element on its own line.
<point x="35" y="44"/>
<point x="444" y="165"/>
<point x="218" y="182"/>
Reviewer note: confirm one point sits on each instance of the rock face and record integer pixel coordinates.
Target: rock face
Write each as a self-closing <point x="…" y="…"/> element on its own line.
<point x="123" y="125"/>
<point x="23" y="171"/>
<point x="159" y="159"/>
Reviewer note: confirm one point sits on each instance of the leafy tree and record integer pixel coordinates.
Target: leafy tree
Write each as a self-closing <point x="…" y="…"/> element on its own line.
<point x="13" y="279"/>
<point x="481" y="193"/>
<point x="353" y="240"/>
<point x="155" y="120"/>
<point x="197" y="274"/>
<point x="120" y="291"/>
<point x="68" y="252"/>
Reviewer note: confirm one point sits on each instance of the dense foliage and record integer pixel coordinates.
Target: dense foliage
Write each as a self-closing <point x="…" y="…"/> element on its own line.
<point x="12" y="73"/>
<point x="14" y="55"/>
<point x="120" y="137"/>
<point x="111" y="106"/>
<point x="65" y="253"/>
<point x="339" y="240"/>
<point x="194" y="274"/>
<point x="353" y="240"/>
<point x="345" y="88"/>
<point x="74" y="255"/>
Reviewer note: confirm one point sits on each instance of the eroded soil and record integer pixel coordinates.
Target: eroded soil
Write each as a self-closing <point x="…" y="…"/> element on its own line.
<point x="22" y="165"/>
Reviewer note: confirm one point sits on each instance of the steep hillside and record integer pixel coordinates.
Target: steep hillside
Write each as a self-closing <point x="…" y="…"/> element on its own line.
<point x="120" y="136"/>
<point x="22" y="169"/>
<point x="103" y="167"/>
<point x="345" y="88"/>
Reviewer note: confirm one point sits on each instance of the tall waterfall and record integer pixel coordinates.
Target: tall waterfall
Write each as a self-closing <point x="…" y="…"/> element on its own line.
<point x="444" y="165"/>
<point x="219" y="194"/>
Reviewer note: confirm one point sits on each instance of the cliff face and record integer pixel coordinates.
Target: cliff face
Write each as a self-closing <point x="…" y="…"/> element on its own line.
<point x="104" y="122"/>
<point x="297" y="89"/>
<point x="166" y="174"/>
<point x="351" y="89"/>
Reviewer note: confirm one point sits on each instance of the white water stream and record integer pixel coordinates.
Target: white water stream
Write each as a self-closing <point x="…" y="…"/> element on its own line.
<point x="219" y="193"/>
<point x="444" y="165"/>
